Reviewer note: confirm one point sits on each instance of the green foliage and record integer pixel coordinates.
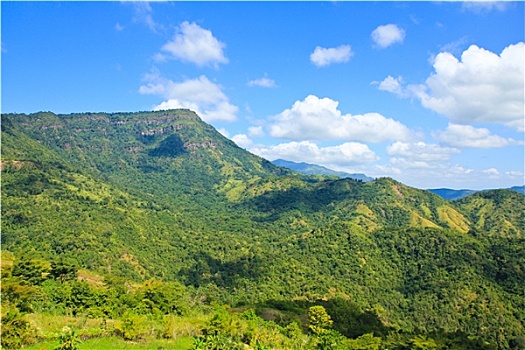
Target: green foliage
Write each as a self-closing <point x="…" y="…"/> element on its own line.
<point x="329" y="339"/>
<point x="166" y="298"/>
<point x="132" y="326"/>
<point x="18" y="294"/>
<point x="135" y="216"/>
<point x="64" y="269"/>
<point x="16" y="330"/>
<point x="365" y="342"/>
<point x="496" y="212"/>
<point x="318" y="319"/>
<point x="216" y="342"/>
<point x="31" y="271"/>
<point x="68" y="339"/>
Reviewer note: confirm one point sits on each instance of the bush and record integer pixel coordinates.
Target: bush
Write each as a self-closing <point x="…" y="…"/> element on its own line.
<point x="16" y="330"/>
<point x="132" y="327"/>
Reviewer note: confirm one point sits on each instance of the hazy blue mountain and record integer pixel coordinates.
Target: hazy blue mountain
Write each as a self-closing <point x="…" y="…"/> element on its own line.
<point x="451" y="194"/>
<point x="519" y="189"/>
<point x="313" y="169"/>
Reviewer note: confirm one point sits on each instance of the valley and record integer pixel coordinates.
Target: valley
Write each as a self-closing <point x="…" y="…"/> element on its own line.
<point x="153" y="227"/>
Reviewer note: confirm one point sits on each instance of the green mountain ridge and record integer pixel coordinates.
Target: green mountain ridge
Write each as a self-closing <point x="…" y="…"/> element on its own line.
<point x="164" y="195"/>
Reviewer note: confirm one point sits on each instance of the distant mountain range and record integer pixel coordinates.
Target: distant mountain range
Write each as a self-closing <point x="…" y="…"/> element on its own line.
<point x="450" y="194"/>
<point x="313" y="169"/>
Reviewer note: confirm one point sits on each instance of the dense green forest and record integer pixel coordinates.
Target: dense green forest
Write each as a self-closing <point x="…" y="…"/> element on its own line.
<point x="152" y="229"/>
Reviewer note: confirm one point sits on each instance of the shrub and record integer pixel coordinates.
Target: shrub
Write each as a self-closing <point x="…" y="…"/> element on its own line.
<point x="16" y="330"/>
<point x="68" y="339"/>
<point x="132" y="326"/>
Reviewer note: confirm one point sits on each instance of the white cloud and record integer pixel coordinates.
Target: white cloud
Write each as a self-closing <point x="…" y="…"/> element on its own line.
<point x="143" y="14"/>
<point x="262" y="82"/>
<point x="387" y="35"/>
<point x="422" y="174"/>
<point x="200" y="95"/>
<point x="402" y="164"/>
<point x="482" y="87"/>
<point x="348" y="153"/>
<point x="514" y="174"/>
<point x="485" y="6"/>
<point x="393" y="85"/>
<point x="454" y="47"/>
<point x="242" y="140"/>
<point x="196" y="45"/>
<point x="319" y="119"/>
<point x="255" y="131"/>
<point x="468" y="136"/>
<point x="322" y="57"/>
<point x="491" y="172"/>
<point x="418" y="163"/>
<point x="223" y="132"/>
<point x="421" y="151"/>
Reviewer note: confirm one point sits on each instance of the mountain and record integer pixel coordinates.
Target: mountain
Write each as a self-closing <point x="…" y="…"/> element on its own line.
<point x="450" y="194"/>
<point x="162" y="195"/>
<point x="495" y="212"/>
<point x="312" y="169"/>
<point x="519" y="189"/>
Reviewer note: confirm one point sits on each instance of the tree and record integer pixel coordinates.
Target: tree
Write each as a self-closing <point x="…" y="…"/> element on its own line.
<point x="32" y="271"/>
<point x="319" y="320"/>
<point x="64" y="269"/>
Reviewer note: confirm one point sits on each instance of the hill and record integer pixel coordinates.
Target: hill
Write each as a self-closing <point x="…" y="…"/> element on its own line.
<point x="313" y="169"/>
<point x="131" y="198"/>
<point x="495" y="212"/>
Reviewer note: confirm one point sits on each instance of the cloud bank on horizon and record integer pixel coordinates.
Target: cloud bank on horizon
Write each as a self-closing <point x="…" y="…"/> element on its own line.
<point x="431" y="94"/>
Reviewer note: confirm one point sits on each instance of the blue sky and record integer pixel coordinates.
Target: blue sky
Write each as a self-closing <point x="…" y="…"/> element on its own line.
<point x="428" y="93"/>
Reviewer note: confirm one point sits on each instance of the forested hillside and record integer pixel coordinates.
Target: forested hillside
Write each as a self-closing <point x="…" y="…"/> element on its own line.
<point x="152" y="218"/>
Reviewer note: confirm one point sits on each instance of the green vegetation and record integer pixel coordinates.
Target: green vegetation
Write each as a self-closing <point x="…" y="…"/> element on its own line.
<point x="150" y="230"/>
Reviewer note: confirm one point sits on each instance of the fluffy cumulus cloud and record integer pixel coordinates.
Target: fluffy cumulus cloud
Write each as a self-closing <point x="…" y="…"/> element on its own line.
<point x="468" y="136"/>
<point x="322" y="57"/>
<point x="481" y="87"/>
<point x="200" y="95"/>
<point x="346" y="154"/>
<point x="387" y="35"/>
<point x="196" y="45"/>
<point x="242" y="140"/>
<point x="245" y="140"/>
<point x="393" y="85"/>
<point x="416" y="162"/>
<point x="491" y="172"/>
<point x="319" y="119"/>
<point x="255" y="131"/>
<point x="421" y="151"/>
